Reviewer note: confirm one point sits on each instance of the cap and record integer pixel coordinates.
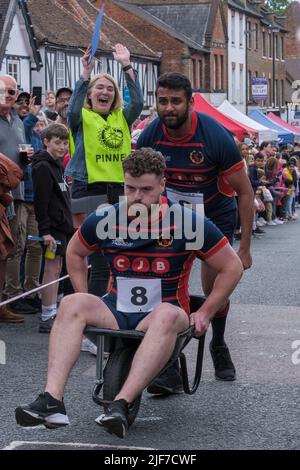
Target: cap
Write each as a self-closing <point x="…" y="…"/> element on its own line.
<point x="248" y="141"/>
<point x="64" y="88"/>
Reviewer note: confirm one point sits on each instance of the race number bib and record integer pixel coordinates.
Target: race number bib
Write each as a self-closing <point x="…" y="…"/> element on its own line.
<point x="195" y="200"/>
<point x="138" y="295"/>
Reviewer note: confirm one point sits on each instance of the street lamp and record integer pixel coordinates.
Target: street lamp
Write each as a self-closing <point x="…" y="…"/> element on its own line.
<point x="246" y="32"/>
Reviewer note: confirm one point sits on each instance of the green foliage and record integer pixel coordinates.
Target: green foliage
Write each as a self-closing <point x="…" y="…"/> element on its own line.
<point x="277" y="6"/>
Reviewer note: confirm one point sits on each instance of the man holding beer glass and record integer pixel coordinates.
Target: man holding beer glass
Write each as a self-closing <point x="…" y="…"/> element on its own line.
<point x="12" y="136"/>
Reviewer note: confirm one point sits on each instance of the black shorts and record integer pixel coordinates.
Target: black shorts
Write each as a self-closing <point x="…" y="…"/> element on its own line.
<point x="126" y="321"/>
<point x="64" y="238"/>
<point x="87" y="197"/>
<point x="226" y="223"/>
<point x="112" y="191"/>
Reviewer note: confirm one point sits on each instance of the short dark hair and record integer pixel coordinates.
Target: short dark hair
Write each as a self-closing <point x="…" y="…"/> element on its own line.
<point x="144" y="160"/>
<point x="258" y="155"/>
<point x="293" y="161"/>
<point x="55" y="130"/>
<point x="175" y="81"/>
<point x="264" y="144"/>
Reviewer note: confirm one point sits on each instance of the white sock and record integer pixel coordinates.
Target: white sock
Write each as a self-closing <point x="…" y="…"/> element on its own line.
<point x="48" y="311"/>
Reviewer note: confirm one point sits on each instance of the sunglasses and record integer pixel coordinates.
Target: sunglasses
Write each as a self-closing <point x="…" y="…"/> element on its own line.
<point x="23" y="101"/>
<point x="11" y="92"/>
<point x="63" y="100"/>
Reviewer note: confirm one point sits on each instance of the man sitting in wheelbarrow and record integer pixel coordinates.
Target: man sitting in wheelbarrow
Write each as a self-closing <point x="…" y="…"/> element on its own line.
<point x="150" y="244"/>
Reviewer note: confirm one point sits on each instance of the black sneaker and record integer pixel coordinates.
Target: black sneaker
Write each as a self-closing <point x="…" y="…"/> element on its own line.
<point x="34" y="302"/>
<point x="44" y="410"/>
<point x="21" y="306"/>
<point x="168" y="383"/>
<point x="259" y="230"/>
<point x="115" y="419"/>
<point x="46" y="325"/>
<point x="237" y="236"/>
<point x="224" y="368"/>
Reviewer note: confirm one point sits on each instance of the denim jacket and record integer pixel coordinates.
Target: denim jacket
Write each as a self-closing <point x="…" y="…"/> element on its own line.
<point x="76" y="168"/>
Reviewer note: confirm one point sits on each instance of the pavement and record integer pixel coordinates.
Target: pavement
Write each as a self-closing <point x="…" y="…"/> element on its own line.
<point x="260" y="410"/>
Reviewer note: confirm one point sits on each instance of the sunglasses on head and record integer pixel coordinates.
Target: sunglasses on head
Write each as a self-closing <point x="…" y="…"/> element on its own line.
<point x="11" y="92"/>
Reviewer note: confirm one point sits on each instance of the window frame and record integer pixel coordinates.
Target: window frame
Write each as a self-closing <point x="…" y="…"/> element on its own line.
<point x="270" y="46"/>
<point x="264" y="44"/>
<point x="241" y="30"/>
<point x="233" y="28"/>
<point x="17" y="75"/>
<point x="60" y="72"/>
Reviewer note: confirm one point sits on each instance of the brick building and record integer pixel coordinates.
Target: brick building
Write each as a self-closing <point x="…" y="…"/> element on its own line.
<point x="292" y="59"/>
<point x="190" y="35"/>
<point x="265" y="54"/>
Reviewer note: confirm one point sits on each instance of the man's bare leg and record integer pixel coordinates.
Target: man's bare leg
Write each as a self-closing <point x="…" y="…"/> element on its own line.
<point x="75" y="312"/>
<point x="161" y="326"/>
<point x="52" y="271"/>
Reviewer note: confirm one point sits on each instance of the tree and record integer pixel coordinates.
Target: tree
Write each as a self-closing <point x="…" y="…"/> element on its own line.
<point x="277" y="6"/>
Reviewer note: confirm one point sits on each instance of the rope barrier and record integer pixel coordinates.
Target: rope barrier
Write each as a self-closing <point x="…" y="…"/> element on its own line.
<point x="32" y="291"/>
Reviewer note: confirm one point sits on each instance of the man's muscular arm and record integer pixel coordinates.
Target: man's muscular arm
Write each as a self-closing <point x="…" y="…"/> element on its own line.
<point x="77" y="264"/>
<point x="229" y="268"/>
<point x="240" y="182"/>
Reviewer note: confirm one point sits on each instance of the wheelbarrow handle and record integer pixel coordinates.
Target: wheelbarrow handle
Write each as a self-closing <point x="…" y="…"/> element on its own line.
<point x="186" y="386"/>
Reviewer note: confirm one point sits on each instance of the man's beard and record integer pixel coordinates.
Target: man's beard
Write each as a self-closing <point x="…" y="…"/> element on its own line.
<point x="63" y="113"/>
<point x="177" y="123"/>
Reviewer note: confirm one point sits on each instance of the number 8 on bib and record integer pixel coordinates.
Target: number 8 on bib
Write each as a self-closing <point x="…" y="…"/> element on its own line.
<point x="138" y="295"/>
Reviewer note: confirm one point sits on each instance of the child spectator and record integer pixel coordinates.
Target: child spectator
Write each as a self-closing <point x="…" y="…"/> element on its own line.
<point x="293" y="160"/>
<point x="273" y="176"/>
<point x="259" y="209"/>
<point x="49" y="109"/>
<point x="288" y="176"/>
<point x="266" y="196"/>
<point x="254" y="179"/>
<point x="53" y="212"/>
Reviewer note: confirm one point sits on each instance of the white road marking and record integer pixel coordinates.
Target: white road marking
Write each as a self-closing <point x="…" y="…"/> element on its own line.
<point x="150" y="418"/>
<point x="15" y="444"/>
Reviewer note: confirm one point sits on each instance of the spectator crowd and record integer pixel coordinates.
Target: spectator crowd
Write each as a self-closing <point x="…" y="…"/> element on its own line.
<point x="274" y="172"/>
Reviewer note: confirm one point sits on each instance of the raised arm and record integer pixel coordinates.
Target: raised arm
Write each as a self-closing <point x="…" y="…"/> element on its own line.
<point x="78" y="96"/>
<point x="135" y="107"/>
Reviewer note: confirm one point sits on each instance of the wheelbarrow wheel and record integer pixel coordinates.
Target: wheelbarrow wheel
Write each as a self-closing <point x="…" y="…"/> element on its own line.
<point x="115" y="374"/>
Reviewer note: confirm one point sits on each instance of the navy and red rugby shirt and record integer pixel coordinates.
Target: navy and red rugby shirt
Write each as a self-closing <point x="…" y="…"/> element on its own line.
<point x="154" y="258"/>
<point x="199" y="161"/>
